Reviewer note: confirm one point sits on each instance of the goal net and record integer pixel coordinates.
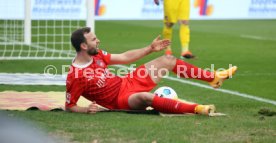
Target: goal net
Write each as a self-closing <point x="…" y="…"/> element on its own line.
<point x="41" y="29"/>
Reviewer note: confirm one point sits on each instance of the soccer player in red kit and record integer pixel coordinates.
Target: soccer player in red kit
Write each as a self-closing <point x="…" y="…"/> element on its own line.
<point x="90" y="78"/>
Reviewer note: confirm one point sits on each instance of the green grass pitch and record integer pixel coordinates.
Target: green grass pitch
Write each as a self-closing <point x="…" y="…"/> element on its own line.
<point x="249" y="44"/>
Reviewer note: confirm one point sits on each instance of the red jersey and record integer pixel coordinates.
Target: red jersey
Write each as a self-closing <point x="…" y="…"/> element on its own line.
<point x="94" y="82"/>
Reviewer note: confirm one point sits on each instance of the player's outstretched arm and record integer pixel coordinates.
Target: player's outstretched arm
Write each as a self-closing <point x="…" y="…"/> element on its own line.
<point x="134" y="55"/>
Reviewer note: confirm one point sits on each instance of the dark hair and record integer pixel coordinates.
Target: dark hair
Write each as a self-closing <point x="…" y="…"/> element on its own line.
<point x="77" y="37"/>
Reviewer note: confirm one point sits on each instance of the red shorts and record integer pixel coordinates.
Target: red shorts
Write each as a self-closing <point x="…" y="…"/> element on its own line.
<point x="137" y="81"/>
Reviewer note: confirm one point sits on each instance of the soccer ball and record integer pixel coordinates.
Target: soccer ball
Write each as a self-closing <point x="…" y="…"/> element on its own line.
<point x="166" y="92"/>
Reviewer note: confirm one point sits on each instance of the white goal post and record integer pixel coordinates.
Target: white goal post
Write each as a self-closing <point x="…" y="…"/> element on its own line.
<point x="27" y="22"/>
<point x="41" y="29"/>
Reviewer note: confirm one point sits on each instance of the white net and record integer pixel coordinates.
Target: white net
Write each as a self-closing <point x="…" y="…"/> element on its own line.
<point x="51" y="25"/>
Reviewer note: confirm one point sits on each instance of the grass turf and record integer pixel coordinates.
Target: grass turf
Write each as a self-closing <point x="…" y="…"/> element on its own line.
<point x="214" y="42"/>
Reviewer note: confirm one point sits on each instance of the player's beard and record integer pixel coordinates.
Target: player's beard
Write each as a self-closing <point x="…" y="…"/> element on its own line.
<point x="92" y="51"/>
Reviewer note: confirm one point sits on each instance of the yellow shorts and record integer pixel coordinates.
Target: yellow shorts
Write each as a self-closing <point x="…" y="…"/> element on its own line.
<point x="175" y="10"/>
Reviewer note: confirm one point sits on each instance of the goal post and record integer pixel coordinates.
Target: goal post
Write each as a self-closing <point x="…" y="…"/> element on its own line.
<point x="27" y="22"/>
<point x="41" y="29"/>
<point x="90" y="14"/>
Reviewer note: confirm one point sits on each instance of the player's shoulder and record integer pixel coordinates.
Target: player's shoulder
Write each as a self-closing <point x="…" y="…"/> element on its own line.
<point x="76" y="72"/>
<point x="103" y="55"/>
<point x="103" y="52"/>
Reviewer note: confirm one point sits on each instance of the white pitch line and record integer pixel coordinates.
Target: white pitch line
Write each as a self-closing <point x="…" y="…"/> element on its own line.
<point x="256" y="74"/>
<point x="223" y="90"/>
<point x="218" y="90"/>
<point x="256" y="37"/>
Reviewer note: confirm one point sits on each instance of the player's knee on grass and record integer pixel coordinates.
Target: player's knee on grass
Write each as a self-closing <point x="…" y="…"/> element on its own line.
<point x="168" y="61"/>
<point x="184" y="22"/>
<point x="139" y="101"/>
<point x="147" y="98"/>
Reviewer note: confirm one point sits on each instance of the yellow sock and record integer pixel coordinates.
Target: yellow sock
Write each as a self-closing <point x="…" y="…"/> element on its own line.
<point x="167" y="34"/>
<point x="184" y="37"/>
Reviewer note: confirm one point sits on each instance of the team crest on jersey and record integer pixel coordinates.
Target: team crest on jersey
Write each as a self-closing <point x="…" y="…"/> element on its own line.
<point x="104" y="52"/>
<point x="100" y="63"/>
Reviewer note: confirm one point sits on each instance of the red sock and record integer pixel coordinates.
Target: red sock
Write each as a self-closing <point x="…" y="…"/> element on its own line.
<point x="187" y="70"/>
<point x="166" y="105"/>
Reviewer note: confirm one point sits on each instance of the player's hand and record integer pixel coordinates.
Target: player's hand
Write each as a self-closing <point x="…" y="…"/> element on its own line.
<point x="92" y="108"/>
<point x="156" y="2"/>
<point x="158" y="44"/>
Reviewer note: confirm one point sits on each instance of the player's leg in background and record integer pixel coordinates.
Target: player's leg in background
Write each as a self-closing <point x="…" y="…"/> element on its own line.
<point x="167" y="34"/>
<point x="159" y="67"/>
<point x="170" y="17"/>
<point x="184" y="30"/>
